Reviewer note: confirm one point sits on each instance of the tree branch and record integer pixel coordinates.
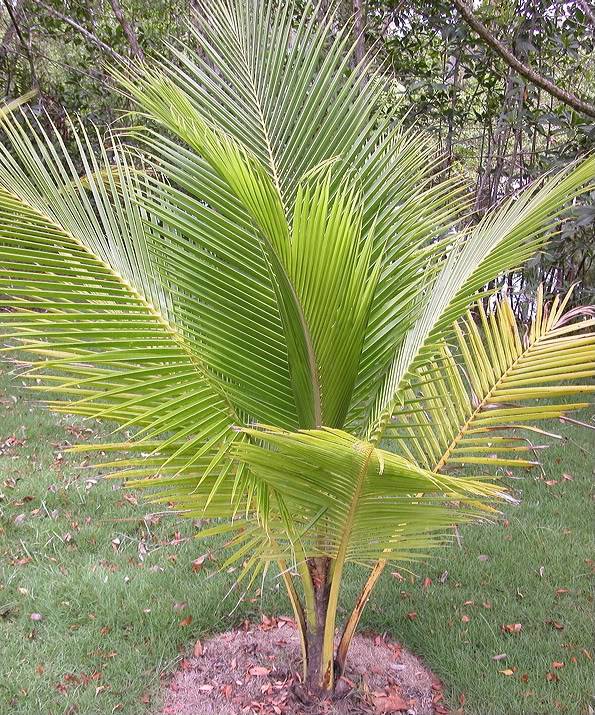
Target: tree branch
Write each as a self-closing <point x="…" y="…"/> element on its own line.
<point x="137" y="50"/>
<point x="14" y="14"/>
<point x="527" y="72"/>
<point x="587" y="11"/>
<point x="89" y="36"/>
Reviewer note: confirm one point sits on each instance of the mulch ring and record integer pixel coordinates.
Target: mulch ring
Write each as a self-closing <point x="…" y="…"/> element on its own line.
<point x="255" y="670"/>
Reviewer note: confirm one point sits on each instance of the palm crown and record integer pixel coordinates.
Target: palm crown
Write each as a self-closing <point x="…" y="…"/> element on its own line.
<point x="268" y="280"/>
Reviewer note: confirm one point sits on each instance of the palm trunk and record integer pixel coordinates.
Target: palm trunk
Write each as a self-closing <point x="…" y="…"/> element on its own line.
<point x="323" y="664"/>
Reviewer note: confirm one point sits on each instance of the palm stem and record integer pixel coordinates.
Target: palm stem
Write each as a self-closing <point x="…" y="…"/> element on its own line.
<point x="354" y="618"/>
<point x="298" y="610"/>
<point x="336" y="574"/>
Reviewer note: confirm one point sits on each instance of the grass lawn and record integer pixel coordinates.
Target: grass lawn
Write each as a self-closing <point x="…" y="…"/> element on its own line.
<point x="118" y="600"/>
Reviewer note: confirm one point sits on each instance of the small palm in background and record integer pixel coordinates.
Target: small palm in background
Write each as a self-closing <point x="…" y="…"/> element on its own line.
<point x="267" y="282"/>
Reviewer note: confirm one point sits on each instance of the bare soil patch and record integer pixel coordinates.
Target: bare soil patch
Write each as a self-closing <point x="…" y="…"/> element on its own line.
<point x="256" y="670"/>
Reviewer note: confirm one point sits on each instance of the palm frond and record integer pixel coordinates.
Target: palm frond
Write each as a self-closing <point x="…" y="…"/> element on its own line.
<point x="455" y="410"/>
<point x="77" y="276"/>
<point x="11" y="106"/>
<point x="503" y="240"/>
<point x="290" y="100"/>
<point x="352" y="501"/>
<point x="330" y="266"/>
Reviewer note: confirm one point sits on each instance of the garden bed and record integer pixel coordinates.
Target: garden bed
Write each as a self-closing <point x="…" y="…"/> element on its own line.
<point x="256" y="669"/>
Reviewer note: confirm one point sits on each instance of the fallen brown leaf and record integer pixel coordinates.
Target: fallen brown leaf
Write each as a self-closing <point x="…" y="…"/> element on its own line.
<point x="258" y="670"/>
<point x="198" y="649"/>
<point x="511" y="628"/>
<point x="390" y="702"/>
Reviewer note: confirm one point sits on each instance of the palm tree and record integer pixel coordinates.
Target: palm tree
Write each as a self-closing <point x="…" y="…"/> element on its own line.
<point x="268" y="280"/>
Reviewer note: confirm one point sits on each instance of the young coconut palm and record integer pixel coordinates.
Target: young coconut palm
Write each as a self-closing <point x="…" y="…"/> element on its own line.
<point x="272" y="284"/>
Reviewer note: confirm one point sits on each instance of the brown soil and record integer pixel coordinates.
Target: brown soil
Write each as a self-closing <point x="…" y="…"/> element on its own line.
<point x="255" y="670"/>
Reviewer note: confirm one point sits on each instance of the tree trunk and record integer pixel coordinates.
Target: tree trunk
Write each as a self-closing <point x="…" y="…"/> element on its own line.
<point x="359" y="24"/>
<point x="128" y="30"/>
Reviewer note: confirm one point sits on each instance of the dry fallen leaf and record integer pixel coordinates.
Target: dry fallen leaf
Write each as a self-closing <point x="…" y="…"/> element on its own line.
<point x="198" y="649"/>
<point x="390" y="702"/>
<point x="197" y="564"/>
<point x="186" y="621"/>
<point x="258" y="670"/>
<point x="507" y="671"/>
<point x="500" y="656"/>
<point x="412" y="615"/>
<point x="465" y="619"/>
<point x="557" y="664"/>
<point x="511" y="628"/>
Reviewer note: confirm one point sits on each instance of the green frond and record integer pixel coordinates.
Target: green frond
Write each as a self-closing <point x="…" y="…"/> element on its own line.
<point x="85" y="305"/>
<point x="504" y="239"/>
<point x="288" y="100"/>
<point x="11" y="106"/>
<point x="352" y="501"/>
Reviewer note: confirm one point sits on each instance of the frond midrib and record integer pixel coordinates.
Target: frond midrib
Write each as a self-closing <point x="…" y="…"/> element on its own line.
<point x="463" y="429"/>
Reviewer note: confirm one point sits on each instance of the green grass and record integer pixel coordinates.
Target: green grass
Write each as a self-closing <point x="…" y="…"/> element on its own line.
<point x="112" y="624"/>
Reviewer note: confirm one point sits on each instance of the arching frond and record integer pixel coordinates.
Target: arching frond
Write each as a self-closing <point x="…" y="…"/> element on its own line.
<point x="289" y="99"/>
<point x="504" y="239"/>
<point x="354" y="501"/>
